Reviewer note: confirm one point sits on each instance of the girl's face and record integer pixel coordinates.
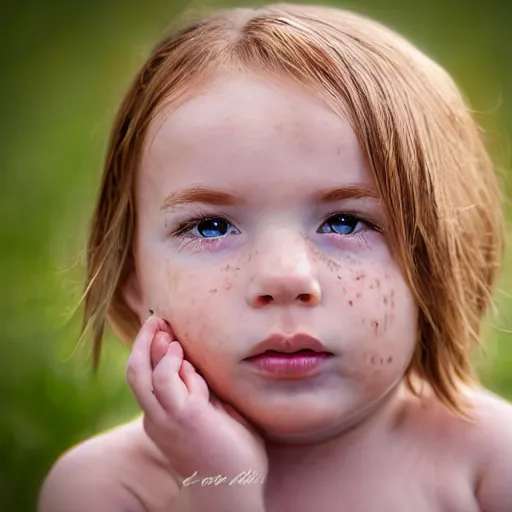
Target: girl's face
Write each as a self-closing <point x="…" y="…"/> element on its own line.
<point x="257" y="216"/>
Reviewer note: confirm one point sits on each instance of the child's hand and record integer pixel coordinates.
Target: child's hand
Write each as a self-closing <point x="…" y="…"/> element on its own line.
<point x="197" y="433"/>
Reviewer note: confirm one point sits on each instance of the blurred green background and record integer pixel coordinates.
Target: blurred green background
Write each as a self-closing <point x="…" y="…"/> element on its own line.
<point x="64" y="68"/>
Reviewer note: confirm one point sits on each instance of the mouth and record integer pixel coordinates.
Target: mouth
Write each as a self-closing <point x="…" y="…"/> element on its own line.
<point x="295" y="344"/>
<point x="288" y="358"/>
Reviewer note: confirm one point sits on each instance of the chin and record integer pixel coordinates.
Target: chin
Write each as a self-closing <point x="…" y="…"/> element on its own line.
<point x="299" y="424"/>
<point x="310" y="419"/>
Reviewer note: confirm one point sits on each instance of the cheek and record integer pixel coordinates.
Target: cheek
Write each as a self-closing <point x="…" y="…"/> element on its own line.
<point x="379" y="366"/>
<point x="381" y="331"/>
<point x="195" y="304"/>
<point x="190" y="300"/>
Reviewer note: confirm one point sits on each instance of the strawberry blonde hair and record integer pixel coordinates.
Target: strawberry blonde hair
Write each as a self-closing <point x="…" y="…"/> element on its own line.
<point x="434" y="176"/>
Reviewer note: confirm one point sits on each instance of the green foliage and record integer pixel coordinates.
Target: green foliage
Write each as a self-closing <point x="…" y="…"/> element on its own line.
<point x="65" y="67"/>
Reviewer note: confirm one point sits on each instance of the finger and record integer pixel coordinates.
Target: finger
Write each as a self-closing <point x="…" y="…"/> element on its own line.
<point x="165" y="326"/>
<point x="169" y="329"/>
<point x="138" y="371"/>
<point x="159" y="347"/>
<point x="169" y="389"/>
<point x="195" y="384"/>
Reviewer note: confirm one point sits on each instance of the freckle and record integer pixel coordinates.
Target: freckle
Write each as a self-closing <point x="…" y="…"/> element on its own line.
<point x="371" y="287"/>
<point x="358" y="295"/>
<point x="339" y="277"/>
<point x="385" y="299"/>
<point x="363" y="321"/>
<point x="372" y="360"/>
<point x="213" y="290"/>
<point x="350" y="303"/>
<point x="381" y="360"/>
<point x="390" y="359"/>
<point x="375" y="325"/>
<point x="333" y="266"/>
<point x="237" y="268"/>
<point x="359" y="277"/>
<point x="377" y="283"/>
<point x="344" y="290"/>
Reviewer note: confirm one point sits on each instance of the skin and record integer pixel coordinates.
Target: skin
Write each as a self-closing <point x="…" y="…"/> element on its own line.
<point x="349" y="438"/>
<point x="275" y="147"/>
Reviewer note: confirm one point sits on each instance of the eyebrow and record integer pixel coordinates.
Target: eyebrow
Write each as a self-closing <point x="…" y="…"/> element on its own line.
<point x="217" y="197"/>
<point x="348" y="192"/>
<point x="200" y="195"/>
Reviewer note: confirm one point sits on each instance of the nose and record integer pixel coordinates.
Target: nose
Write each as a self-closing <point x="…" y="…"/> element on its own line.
<point x="283" y="277"/>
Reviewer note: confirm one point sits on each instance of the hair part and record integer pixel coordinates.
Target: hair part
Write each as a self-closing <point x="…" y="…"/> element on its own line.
<point x="435" y="179"/>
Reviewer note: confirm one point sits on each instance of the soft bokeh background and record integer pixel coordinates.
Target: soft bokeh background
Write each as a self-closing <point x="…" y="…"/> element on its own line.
<point x="65" y="66"/>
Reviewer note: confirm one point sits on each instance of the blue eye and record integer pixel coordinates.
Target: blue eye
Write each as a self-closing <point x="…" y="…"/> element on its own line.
<point x="218" y="227"/>
<point x="206" y="227"/>
<point x="342" y="224"/>
<point x="211" y="228"/>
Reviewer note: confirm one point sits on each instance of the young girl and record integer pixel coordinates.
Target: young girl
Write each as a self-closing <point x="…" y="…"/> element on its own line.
<point x="300" y="202"/>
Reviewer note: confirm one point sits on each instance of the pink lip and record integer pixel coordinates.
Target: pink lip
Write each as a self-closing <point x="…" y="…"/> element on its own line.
<point x="295" y="365"/>
<point x="288" y="357"/>
<point x="287" y="344"/>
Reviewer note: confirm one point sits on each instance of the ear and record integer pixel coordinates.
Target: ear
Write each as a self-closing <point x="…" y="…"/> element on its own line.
<point x="132" y="293"/>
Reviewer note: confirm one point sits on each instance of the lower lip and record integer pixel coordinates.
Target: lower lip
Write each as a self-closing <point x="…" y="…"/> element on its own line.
<point x="297" y="365"/>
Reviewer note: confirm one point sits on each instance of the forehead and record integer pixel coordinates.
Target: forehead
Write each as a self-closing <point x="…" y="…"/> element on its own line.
<point x="240" y="131"/>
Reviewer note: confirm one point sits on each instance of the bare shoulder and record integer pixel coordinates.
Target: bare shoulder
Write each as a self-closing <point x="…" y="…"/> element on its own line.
<point x="480" y="449"/>
<point x="494" y="445"/>
<point x="118" y="470"/>
<point x="492" y="428"/>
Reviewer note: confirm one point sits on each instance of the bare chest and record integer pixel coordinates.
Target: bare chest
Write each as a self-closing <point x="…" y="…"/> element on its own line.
<point x="387" y="486"/>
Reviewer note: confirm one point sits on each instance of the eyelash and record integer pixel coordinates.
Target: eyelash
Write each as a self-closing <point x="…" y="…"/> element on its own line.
<point x="186" y="227"/>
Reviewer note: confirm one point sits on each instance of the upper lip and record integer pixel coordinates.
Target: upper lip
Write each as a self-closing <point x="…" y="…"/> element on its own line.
<point x="287" y="344"/>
